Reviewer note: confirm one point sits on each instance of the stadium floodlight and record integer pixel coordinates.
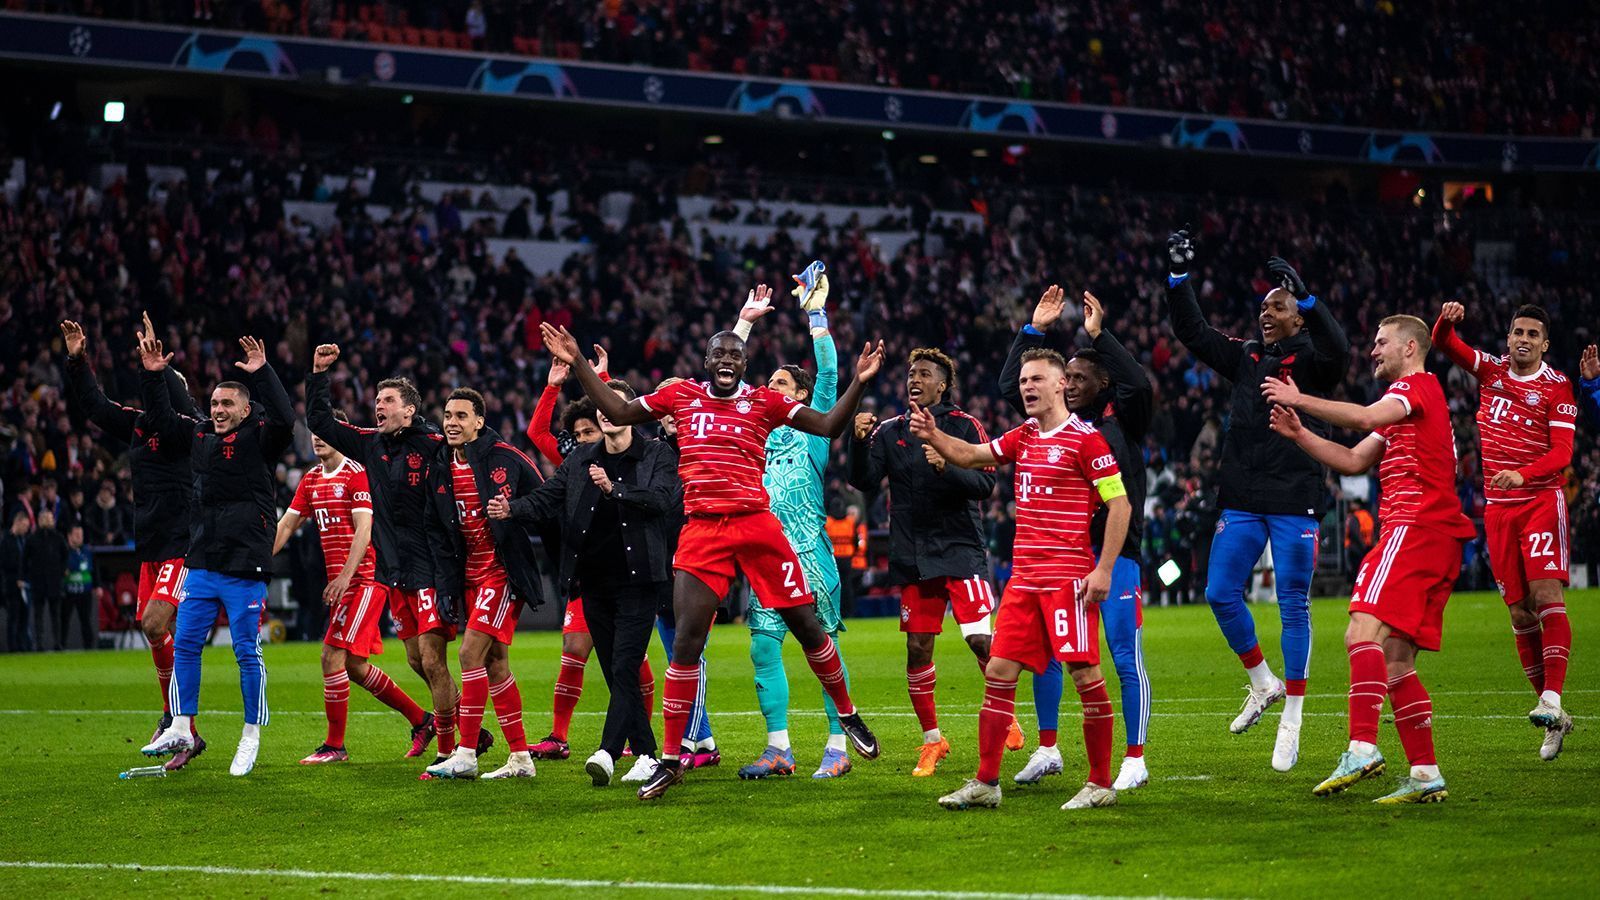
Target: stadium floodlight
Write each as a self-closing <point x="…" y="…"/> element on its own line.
<point x="980" y="152"/>
<point x="928" y="159"/>
<point x="888" y="135"/>
<point x="55" y="111"/>
<point x="1169" y="572"/>
<point x="115" y="110"/>
<point x="712" y="139"/>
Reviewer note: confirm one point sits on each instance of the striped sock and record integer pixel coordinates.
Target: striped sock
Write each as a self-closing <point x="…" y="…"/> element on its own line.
<point x="336" y="702"/>
<point x="389" y="694"/>
<point x="508" y="709"/>
<point x="161" y="653"/>
<point x="1557" y="630"/>
<point x="647" y="689"/>
<point x="920" y="683"/>
<point x="474" y="696"/>
<point x="1368" y="683"/>
<point x="1413" y="718"/>
<point x="569" y="687"/>
<point x="994" y="720"/>
<point x="677" y="699"/>
<point x="1097" y="724"/>
<point x="825" y="663"/>
<point x="1530" y="649"/>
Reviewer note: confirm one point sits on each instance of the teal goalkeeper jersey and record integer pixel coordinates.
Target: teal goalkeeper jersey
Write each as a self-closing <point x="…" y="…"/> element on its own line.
<point x="796" y="460"/>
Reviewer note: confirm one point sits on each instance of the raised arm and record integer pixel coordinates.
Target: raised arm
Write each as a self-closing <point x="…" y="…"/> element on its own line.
<point x="953" y="449"/>
<point x="1589" y="371"/>
<point x="84" y="396"/>
<point x="1336" y="456"/>
<point x="544" y="413"/>
<point x="971" y="484"/>
<point x="174" y="427"/>
<point x="1135" y="396"/>
<point x="832" y="423"/>
<point x="1046" y="313"/>
<point x="1209" y="345"/>
<point x="1450" y="343"/>
<point x="279" y="410"/>
<point x="341" y="436"/>
<point x="564" y="347"/>
<point x="1328" y="340"/>
<point x="1386" y="410"/>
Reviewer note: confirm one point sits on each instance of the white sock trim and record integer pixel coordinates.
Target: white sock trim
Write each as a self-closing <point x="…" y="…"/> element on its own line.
<point x="931" y="736"/>
<point x="1292" y="707"/>
<point x="1550" y="697"/>
<point x="779" y="739"/>
<point x="1261" y="676"/>
<point x="836" y="742"/>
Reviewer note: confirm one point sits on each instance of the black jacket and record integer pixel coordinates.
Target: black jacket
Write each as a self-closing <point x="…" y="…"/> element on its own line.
<point x="935" y="520"/>
<point x="13" y="561"/>
<point x="1122" y="416"/>
<point x="649" y="510"/>
<point x="162" y="480"/>
<point x="1262" y="472"/>
<point x="397" y="472"/>
<point x="499" y="469"/>
<point x="233" y="504"/>
<point x="47" y="561"/>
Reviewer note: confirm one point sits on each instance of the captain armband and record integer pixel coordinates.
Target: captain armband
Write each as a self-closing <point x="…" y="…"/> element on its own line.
<point x="1110" y="488"/>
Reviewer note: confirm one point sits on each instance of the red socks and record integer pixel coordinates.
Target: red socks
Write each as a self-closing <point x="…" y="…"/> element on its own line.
<point x="389" y="694"/>
<point x="508" y="708"/>
<point x="474" y="696"/>
<point x="1047" y="738"/>
<point x="1557" y="637"/>
<point x="161" y="653"/>
<point x="1134" y="751"/>
<point x="1252" y="657"/>
<point x="920" y="683"/>
<point x="336" y="701"/>
<point x="677" y="699"/>
<point x="1530" y="649"/>
<point x="994" y="720"/>
<point x="1413" y="718"/>
<point x="1294" y="687"/>
<point x="647" y="688"/>
<point x="825" y="663"/>
<point x="569" y="687"/>
<point x="1368" y="681"/>
<point x="1097" y="731"/>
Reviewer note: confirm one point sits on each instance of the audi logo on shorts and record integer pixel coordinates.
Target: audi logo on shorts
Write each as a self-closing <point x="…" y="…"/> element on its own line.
<point x="1102" y="462"/>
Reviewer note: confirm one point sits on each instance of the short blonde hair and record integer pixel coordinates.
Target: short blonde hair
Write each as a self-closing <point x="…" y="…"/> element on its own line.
<point x="1411" y="328"/>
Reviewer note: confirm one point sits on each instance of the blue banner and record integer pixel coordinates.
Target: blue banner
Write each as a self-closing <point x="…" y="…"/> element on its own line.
<point x="104" y="43"/>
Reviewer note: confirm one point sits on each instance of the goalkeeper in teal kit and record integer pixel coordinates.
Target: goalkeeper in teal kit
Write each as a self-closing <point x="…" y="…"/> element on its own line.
<point x="795" y="463"/>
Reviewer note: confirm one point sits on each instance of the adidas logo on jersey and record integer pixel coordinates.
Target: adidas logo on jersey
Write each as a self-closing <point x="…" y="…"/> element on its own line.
<point x="1067" y="648"/>
<point x="796" y="594"/>
<point x="695" y="404"/>
<point x="1551" y="567"/>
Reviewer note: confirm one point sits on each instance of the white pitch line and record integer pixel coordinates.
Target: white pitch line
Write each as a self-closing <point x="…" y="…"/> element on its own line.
<point x="715" y="713"/>
<point x="571" y="883"/>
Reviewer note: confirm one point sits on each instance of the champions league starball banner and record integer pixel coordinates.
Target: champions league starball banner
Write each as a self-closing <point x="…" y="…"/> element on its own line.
<point x="117" y="44"/>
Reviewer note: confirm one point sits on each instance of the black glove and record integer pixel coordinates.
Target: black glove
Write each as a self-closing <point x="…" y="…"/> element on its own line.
<point x="1180" y="251"/>
<point x="1287" y="277"/>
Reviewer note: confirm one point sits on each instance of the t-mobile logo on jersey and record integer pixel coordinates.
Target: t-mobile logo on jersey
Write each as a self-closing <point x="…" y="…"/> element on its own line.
<point x="1498" y="406"/>
<point x="701" y="423"/>
<point x="1028" y="488"/>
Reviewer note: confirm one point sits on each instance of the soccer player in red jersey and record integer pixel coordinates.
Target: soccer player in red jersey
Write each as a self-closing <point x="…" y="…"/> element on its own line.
<point x="578" y="426"/>
<point x="1397" y="607"/>
<point x="335" y="494"/>
<point x="488" y="570"/>
<point x="1050" y="607"/>
<point x="1527" y="418"/>
<point x="722" y="428"/>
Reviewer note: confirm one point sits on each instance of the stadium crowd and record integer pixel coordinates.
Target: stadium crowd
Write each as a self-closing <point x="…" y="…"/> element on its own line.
<point x="419" y="293"/>
<point x="1442" y="65"/>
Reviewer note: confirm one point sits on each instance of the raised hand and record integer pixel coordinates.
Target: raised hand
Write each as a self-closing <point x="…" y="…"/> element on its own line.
<point x="1283" y="393"/>
<point x="817" y="299"/>
<point x="1453" y="312"/>
<point x="870" y="361"/>
<point x="1287" y="277"/>
<point x="498" y="508"/>
<point x="255" y="354"/>
<point x="757" y="304"/>
<point x="1048" y="310"/>
<point x="563" y="346"/>
<point x="1285" y="422"/>
<point x="323" y="358"/>
<point x="1180" y="251"/>
<point x="151" y="353"/>
<point x="602" y="359"/>
<point x="558" y="373"/>
<point x="72" y="334"/>
<point x="864" y="424"/>
<point x="1589" y="365"/>
<point x="1094" y="315"/>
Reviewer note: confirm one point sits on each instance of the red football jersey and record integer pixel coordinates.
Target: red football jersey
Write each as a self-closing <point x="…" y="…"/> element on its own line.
<point x="1417" y="476"/>
<point x="331" y="498"/>
<point x="482" y="563"/>
<point x="722" y="442"/>
<point x="1056" y="498"/>
<point x="1516" y="419"/>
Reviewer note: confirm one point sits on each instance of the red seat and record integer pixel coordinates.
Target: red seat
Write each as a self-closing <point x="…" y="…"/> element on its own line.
<point x="336" y="29"/>
<point x="738" y="65"/>
<point x="430" y="37"/>
<point x="412" y="36"/>
<point x="524" y="46"/>
<point x="567" y="50"/>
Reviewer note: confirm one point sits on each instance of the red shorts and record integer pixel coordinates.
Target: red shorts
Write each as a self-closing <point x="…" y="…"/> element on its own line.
<point x="1034" y="627"/>
<point x="710" y="547"/>
<point x="574" y="622"/>
<point x="492" y="610"/>
<point x="922" y="603"/>
<point x="1527" y="542"/>
<point x="353" y="621"/>
<point x="159" y="581"/>
<point x="415" y="612"/>
<point x="1405" y="582"/>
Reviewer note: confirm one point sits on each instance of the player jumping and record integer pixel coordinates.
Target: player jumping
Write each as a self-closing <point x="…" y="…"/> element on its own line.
<point x="1269" y="490"/>
<point x="723" y="425"/>
<point x="1397" y="606"/>
<point x="1526" y="424"/>
<point x="486" y="569"/>
<point x="1051" y="606"/>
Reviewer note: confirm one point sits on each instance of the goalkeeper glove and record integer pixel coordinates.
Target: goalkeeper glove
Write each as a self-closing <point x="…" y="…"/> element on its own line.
<point x="1180" y="252"/>
<point x="811" y="287"/>
<point x="1290" y="281"/>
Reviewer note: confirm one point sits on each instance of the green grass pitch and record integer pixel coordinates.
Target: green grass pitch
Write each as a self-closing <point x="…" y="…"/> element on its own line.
<point x="1215" y="820"/>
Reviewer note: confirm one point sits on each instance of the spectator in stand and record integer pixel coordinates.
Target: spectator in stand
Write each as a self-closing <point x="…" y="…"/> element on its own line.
<point x="14" y="583"/>
<point x="108" y="521"/>
<point x="78" y="598"/>
<point x="477" y="26"/>
<point x="47" y="571"/>
<point x="1359" y="528"/>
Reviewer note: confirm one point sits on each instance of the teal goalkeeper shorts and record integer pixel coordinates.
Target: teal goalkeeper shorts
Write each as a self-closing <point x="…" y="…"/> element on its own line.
<point x="822" y="576"/>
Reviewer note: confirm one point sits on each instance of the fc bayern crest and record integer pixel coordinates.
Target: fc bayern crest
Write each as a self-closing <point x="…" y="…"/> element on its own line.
<point x="499" y="475"/>
<point x="1533" y="398"/>
<point x="338" y="491"/>
<point x="414" y="460"/>
<point x="1054" y="455"/>
<point x="743" y="406"/>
